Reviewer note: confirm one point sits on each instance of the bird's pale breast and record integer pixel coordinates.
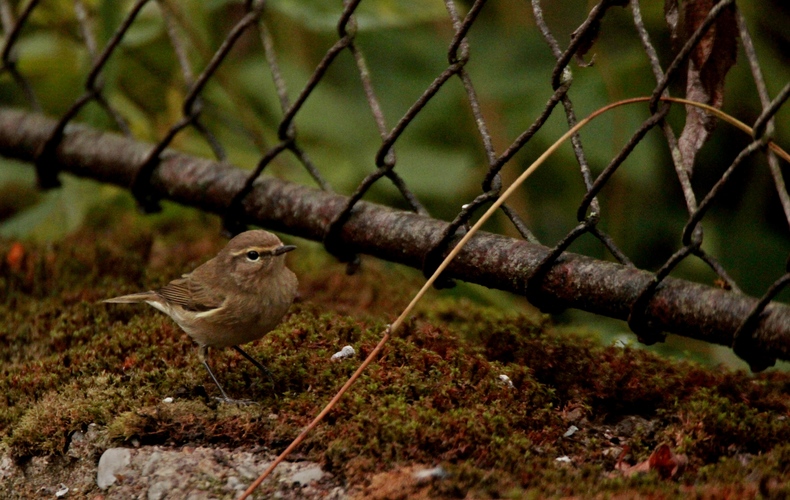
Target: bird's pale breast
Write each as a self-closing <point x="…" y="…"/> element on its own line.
<point x="234" y="323"/>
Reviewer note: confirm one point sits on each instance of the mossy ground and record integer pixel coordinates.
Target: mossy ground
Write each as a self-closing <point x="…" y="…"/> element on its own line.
<point x="433" y="397"/>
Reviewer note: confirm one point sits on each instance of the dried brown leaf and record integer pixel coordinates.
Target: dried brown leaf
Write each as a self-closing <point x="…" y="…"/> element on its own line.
<point x="15" y="256"/>
<point x="666" y="463"/>
<point x="708" y="65"/>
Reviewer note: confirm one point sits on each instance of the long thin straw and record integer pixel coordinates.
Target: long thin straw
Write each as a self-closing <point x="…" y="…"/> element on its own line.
<point x="446" y="262"/>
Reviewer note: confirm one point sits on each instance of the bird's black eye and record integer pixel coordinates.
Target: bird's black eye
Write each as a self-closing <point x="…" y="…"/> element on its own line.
<point x="252" y="255"/>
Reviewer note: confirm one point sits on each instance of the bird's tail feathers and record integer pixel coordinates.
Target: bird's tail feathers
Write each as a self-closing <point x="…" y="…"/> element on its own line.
<point x="132" y="298"/>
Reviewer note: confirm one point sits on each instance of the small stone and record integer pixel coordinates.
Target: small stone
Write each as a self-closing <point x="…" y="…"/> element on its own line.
<point x="247" y="472"/>
<point x="336" y="493"/>
<point x="506" y="381"/>
<point x="344" y="353"/>
<point x="62" y="491"/>
<point x="233" y="483"/>
<point x="308" y="475"/>
<point x="632" y="424"/>
<point x="111" y="461"/>
<point x="574" y="415"/>
<point x="151" y="464"/>
<point x="77" y="437"/>
<point x="7" y="468"/>
<point x="565" y="459"/>
<point x="75" y="443"/>
<point x="167" y="400"/>
<point x="159" y="490"/>
<point x="426" y="475"/>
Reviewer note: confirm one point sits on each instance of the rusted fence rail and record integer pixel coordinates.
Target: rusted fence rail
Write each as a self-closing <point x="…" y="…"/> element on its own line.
<point x="678" y="306"/>
<point x="708" y="34"/>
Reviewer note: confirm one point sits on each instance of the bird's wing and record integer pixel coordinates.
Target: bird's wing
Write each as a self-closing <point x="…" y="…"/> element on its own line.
<point x="191" y="295"/>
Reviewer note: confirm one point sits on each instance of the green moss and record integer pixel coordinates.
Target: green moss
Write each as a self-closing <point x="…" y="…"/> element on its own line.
<point x="715" y="425"/>
<point x="45" y="425"/>
<point x="433" y="397"/>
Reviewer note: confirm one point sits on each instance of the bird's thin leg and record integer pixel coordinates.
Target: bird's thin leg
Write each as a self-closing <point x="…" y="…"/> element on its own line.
<point x="256" y="363"/>
<point x="203" y="356"/>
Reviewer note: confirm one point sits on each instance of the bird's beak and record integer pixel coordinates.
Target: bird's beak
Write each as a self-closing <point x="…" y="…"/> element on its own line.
<point x="283" y="249"/>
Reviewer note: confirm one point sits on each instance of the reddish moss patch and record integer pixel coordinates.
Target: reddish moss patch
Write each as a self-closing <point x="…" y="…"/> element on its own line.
<point x="434" y="397"/>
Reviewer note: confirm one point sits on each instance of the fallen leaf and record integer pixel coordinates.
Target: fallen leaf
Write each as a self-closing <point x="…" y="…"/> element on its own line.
<point x="666" y="463"/>
<point x="15" y="256"/>
<point x="708" y="65"/>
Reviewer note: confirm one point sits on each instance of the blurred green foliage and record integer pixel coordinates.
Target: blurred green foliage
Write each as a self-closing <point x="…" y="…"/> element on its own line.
<point x="440" y="155"/>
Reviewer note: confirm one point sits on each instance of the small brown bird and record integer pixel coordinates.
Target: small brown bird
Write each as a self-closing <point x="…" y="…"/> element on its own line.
<point x="234" y="298"/>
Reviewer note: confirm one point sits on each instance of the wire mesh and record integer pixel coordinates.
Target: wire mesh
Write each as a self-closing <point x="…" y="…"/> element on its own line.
<point x="706" y="24"/>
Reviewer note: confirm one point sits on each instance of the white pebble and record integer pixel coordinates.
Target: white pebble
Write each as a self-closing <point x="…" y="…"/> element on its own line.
<point x="425" y="475"/>
<point x="346" y="352"/>
<point x="506" y="380"/>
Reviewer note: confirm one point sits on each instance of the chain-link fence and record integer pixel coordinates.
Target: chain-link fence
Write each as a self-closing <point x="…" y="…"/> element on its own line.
<point x="707" y="35"/>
